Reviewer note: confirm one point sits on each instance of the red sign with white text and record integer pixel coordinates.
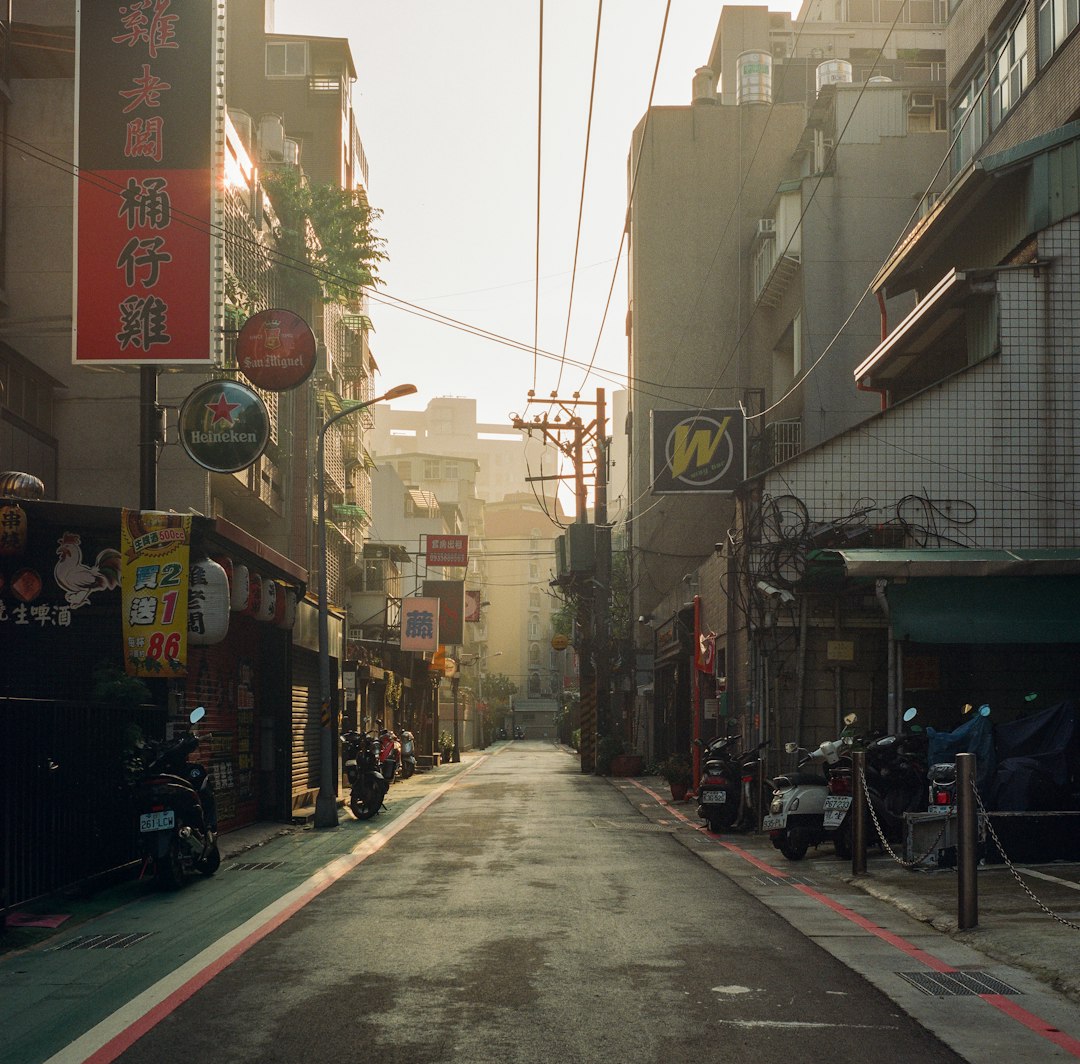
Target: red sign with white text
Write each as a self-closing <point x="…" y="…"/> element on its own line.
<point x="144" y="195"/>
<point x="447" y="550"/>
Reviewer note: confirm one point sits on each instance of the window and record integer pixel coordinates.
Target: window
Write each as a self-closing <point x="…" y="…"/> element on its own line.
<point x="969" y="122"/>
<point x="1009" y="77"/>
<point x="404" y="470"/>
<point x="1057" y="19"/>
<point x="431" y="470"/>
<point x="286" y="59"/>
<point x="450" y="471"/>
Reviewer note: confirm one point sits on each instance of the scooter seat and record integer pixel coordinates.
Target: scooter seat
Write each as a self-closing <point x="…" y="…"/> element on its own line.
<point x="798" y="779"/>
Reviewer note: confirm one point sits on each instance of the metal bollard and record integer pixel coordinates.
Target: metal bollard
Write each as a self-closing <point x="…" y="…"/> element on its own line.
<point x="967" y="838"/>
<point x="858" y="812"/>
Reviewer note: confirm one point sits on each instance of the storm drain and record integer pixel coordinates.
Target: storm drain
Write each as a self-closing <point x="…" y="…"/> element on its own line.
<point x="782" y="881"/>
<point x="255" y="866"/>
<point x="954" y="984"/>
<point x="117" y="940"/>
<point x="634" y="825"/>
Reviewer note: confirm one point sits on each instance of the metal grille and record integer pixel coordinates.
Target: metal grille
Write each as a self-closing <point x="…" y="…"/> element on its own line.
<point x="956" y="984"/>
<point x="782" y="881"/>
<point x="117" y="940"/>
<point x="255" y="866"/>
<point x="634" y="825"/>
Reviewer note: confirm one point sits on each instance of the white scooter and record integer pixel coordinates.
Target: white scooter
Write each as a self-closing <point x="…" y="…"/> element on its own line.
<point x="796" y="814"/>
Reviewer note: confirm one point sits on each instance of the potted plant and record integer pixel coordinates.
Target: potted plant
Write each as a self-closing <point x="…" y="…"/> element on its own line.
<point x="446" y="746"/>
<point x="676" y="770"/>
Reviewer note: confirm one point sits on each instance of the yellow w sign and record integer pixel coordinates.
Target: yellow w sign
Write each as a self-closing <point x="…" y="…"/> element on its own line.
<point x="698" y="447"/>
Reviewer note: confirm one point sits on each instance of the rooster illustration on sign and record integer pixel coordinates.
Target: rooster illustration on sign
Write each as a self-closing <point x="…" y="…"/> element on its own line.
<point x="79" y="580"/>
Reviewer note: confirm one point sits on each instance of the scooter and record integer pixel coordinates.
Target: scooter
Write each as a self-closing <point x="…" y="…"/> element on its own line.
<point x="408" y="754"/>
<point x="389" y="755"/>
<point x="368" y="785"/>
<point x="177" y="812"/>
<point x="796" y="818"/>
<point x="726" y="788"/>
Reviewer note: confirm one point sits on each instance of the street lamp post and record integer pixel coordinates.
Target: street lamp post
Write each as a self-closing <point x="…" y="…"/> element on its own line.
<point x="326" y="809"/>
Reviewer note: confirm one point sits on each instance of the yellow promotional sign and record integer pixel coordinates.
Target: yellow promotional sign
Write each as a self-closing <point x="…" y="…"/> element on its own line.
<point x="155" y="548"/>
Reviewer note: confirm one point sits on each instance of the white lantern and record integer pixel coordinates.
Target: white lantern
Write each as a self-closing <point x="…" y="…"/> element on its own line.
<point x="267" y="601"/>
<point x="288" y="618"/>
<point x="239" y="589"/>
<point x="208" y="603"/>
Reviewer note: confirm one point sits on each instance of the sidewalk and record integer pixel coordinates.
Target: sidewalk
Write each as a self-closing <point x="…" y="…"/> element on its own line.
<point x="1013" y="927"/>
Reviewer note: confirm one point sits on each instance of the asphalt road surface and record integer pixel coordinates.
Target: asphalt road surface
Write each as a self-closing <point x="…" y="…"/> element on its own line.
<point x="531" y="913"/>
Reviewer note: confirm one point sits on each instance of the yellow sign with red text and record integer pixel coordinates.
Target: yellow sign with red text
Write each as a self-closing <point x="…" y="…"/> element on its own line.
<point x="155" y="549"/>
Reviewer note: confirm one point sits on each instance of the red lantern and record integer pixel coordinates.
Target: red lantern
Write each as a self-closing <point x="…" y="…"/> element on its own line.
<point x="288" y="618"/>
<point x="255" y="595"/>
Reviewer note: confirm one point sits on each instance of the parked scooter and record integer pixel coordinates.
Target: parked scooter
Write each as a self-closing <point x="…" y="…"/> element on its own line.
<point x="728" y="783"/>
<point x="408" y="754"/>
<point x="796" y="818"/>
<point x="389" y="755"/>
<point x="895" y="785"/>
<point x="972" y="737"/>
<point x="363" y="770"/>
<point x="177" y="812"/>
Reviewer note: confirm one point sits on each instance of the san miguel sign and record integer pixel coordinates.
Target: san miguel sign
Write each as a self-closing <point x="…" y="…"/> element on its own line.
<point x="702" y="452"/>
<point x="144" y="196"/>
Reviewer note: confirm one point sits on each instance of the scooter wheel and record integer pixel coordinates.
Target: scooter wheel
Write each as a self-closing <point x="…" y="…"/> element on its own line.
<point x="211" y="862"/>
<point x="842" y="842"/>
<point x="794" y="847"/>
<point x="169" y="872"/>
<point x="365" y="803"/>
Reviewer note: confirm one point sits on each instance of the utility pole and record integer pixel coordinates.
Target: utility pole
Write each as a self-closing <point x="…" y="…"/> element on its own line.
<point x="594" y="592"/>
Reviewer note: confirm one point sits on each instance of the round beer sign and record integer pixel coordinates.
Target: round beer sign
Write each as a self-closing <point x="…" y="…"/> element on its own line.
<point x="224" y="426"/>
<point x="559" y="642"/>
<point x="275" y="350"/>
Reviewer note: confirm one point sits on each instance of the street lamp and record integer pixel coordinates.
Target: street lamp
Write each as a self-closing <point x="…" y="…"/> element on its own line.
<point x="326" y="814"/>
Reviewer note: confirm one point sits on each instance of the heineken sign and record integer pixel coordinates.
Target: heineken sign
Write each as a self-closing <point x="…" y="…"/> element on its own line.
<point x="224" y="426"/>
<point x="275" y="350"/>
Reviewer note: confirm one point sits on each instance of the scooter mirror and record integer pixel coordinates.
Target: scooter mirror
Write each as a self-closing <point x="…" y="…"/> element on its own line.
<point x="850" y="719"/>
<point x="910" y="714"/>
<point x="197" y="714"/>
<point x="984" y="711"/>
<point x="790" y="748"/>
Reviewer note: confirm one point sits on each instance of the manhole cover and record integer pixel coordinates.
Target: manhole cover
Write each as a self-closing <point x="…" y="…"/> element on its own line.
<point x="255" y="866"/>
<point x="955" y="984"/>
<point x="118" y="940"/>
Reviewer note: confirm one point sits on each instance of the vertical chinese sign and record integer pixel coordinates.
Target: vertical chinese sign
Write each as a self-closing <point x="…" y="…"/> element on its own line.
<point x="420" y="624"/>
<point x="145" y="147"/>
<point x="154" y="579"/>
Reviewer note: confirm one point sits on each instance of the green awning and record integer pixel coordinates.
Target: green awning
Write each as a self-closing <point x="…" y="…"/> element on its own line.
<point x="968" y="596"/>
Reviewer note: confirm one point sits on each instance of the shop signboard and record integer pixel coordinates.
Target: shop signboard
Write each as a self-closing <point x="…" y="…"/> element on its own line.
<point x="275" y="350"/>
<point x="451" y="596"/>
<point x="447" y="550"/>
<point x="420" y="624"/>
<point x="224" y="426"/>
<point x="144" y="195"/>
<point x="702" y="452"/>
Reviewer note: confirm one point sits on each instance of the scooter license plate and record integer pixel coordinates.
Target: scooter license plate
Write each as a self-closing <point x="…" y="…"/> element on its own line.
<point x="836" y="807"/>
<point x="773" y="822"/>
<point x="713" y="797"/>
<point x="160" y="821"/>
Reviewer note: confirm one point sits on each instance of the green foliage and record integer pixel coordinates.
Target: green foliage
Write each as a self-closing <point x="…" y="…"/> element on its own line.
<point x="497" y="690"/>
<point x="446" y="743"/>
<point x="575" y="738"/>
<point x="608" y="747"/>
<point x="113" y="686"/>
<point x="675" y="769"/>
<point x="332" y="230"/>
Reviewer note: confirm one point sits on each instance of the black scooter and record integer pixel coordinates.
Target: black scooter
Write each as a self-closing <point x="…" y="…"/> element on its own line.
<point x="363" y="769"/>
<point x="726" y="792"/>
<point x="177" y="811"/>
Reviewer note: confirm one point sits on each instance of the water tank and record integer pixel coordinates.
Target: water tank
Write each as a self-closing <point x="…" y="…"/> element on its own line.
<point x="754" y="72"/>
<point x="833" y="72"/>
<point x="879" y="79"/>
<point x="271" y="138"/>
<point x="704" y="86"/>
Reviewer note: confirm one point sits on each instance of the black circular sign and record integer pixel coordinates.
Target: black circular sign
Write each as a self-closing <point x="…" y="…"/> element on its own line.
<point x="224" y="426"/>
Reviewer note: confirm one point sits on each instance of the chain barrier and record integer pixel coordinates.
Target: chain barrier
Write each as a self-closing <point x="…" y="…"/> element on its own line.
<point x="885" y="842"/>
<point x="1015" y="874"/>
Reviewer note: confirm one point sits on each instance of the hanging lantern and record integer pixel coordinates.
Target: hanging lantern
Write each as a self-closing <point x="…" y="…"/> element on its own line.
<point x="254" y="595"/>
<point x="267" y="601"/>
<point x="279" y="602"/>
<point x="21" y="486"/>
<point x="288" y="617"/>
<point x="208" y="603"/>
<point x="240" y="589"/>
<point x="13" y="526"/>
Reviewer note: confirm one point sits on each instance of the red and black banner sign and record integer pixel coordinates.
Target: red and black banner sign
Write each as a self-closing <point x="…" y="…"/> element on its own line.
<point x="144" y="148"/>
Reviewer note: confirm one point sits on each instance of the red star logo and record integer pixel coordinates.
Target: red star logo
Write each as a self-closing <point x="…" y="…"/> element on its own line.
<point x="222" y="410"/>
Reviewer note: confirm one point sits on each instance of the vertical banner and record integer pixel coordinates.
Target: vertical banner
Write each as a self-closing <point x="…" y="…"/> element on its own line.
<point x="451" y="596"/>
<point x="472" y="606"/>
<point x="144" y="148"/>
<point x="154" y="578"/>
<point x="420" y="624"/>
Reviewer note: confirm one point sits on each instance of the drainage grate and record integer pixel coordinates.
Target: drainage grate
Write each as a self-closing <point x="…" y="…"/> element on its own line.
<point x="636" y="825"/>
<point x="255" y="866"/>
<point x="118" y="940"/>
<point x="782" y="881"/>
<point x="955" y="984"/>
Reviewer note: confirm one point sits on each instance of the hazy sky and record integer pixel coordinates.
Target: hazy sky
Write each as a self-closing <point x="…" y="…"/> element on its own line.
<point x="446" y="100"/>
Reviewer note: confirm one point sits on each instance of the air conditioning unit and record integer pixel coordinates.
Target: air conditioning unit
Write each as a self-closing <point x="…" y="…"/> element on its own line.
<point x="766" y="226"/>
<point x="921" y="103"/>
<point x="325" y="360"/>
